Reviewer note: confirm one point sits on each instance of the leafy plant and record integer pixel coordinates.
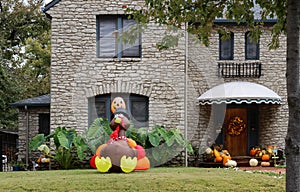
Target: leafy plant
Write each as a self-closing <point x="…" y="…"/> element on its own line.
<point x="97" y="134"/>
<point x="67" y="145"/>
<point x="160" y="144"/>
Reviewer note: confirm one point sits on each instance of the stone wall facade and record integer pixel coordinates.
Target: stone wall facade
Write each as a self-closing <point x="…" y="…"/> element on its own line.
<point x="77" y="73"/>
<point x="28" y="128"/>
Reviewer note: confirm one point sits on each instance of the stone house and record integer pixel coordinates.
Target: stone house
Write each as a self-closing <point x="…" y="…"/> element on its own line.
<point x="201" y="90"/>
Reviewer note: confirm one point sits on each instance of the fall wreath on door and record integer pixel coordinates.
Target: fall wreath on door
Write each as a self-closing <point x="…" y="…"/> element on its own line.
<point x="236" y="126"/>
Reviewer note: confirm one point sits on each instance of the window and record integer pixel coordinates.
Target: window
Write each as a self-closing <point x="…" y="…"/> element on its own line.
<point x="251" y="48"/>
<point x="109" y="29"/>
<point x="136" y="105"/>
<point x="226" y="47"/>
<point x="44" y="124"/>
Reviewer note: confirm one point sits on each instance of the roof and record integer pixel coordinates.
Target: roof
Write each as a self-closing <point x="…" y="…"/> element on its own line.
<point x="8" y="131"/>
<point x="49" y="4"/>
<point x="239" y="92"/>
<point x="41" y="101"/>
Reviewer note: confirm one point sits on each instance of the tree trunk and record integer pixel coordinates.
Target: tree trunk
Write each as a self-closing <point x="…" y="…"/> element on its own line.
<point x="292" y="140"/>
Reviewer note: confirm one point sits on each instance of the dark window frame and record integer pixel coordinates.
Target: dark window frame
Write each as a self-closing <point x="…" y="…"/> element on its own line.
<point x="119" y="23"/>
<point x="249" y="46"/>
<point x="222" y="47"/>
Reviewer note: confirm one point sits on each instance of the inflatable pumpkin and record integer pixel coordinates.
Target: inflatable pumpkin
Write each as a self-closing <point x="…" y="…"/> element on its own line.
<point x="118" y="102"/>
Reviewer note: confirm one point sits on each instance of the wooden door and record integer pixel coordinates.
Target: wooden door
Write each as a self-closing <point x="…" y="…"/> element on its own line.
<point x="235" y="125"/>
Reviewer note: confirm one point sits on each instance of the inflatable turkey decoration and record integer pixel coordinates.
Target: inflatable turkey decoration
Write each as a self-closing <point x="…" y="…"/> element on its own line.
<point x="120" y="154"/>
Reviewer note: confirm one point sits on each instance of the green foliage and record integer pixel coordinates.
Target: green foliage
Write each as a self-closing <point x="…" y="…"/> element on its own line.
<point x="25" y="55"/>
<point x="97" y="134"/>
<point x="9" y="90"/>
<point x="201" y="15"/>
<point x="160" y="144"/>
<point x="67" y="145"/>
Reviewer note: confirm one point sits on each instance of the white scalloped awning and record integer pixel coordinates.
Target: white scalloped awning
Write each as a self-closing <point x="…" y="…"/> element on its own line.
<point x="239" y="92"/>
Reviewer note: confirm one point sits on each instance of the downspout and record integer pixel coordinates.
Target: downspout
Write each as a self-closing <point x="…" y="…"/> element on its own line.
<point x="185" y="92"/>
<point x="27" y="136"/>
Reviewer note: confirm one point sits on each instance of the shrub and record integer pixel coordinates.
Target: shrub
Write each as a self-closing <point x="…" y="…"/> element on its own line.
<point x="67" y="146"/>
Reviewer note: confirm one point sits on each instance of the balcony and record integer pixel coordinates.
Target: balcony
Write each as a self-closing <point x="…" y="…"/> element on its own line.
<point x="239" y="70"/>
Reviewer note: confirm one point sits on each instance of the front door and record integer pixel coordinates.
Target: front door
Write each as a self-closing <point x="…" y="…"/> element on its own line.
<point x="235" y="129"/>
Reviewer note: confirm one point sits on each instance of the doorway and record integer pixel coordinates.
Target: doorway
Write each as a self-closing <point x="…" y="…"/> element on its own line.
<point x="235" y="129"/>
<point x="239" y="128"/>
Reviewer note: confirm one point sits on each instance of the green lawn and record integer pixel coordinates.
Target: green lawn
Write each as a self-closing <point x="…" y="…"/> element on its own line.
<point x="155" y="179"/>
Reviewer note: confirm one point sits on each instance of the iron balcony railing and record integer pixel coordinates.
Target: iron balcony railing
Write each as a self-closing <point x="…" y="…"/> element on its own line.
<point x="244" y="70"/>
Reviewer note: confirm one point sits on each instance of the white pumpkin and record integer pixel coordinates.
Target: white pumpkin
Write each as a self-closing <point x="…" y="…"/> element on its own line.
<point x="208" y="150"/>
<point x="231" y="163"/>
<point x="253" y="162"/>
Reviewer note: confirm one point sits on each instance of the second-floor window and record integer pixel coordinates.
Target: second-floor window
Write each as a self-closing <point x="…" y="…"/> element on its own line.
<point x="226" y="47"/>
<point x="251" y="48"/>
<point x="109" y="31"/>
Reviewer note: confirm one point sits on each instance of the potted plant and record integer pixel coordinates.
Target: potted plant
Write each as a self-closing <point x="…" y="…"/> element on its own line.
<point x="18" y="166"/>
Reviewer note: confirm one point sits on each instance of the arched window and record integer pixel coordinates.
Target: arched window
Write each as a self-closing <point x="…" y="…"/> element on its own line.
<point x="136" y="105"/>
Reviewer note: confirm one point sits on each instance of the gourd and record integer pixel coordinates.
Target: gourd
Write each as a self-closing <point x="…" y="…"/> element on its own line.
<point x="265" y="164"/>
<point x="226" y="159"/>
<point x="253" y="162"/>
<point x="265" y="157"/>
<point x="216" y="153"/>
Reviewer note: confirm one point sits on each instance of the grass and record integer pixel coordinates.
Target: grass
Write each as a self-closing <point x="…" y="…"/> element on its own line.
<point x="154" y="179"/>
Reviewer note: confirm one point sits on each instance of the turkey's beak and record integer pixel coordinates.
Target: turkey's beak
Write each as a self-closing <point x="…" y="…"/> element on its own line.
<point x="118" y="120"/>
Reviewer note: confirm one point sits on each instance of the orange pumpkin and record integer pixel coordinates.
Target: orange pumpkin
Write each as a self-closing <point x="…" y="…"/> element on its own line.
<point x="253" y="152"/>
<point x="218" y="159"/>
<point x="265" y="157"/>
<point x="142" y="164"/>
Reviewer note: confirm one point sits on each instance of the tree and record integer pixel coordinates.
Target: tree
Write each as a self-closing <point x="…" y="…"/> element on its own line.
<point x="36" y="70"/>
<point x="22" y="25"/>
<point x="200" y="15"/>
